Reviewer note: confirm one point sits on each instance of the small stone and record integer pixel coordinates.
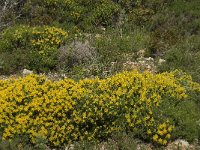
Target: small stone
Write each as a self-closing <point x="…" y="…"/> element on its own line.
<point x="70" y="147"/>
<point x="148" y="67"/>
<point x="102" y="28"/>
<point x="27" y="72"/>
<point x="160" y="61"/>
<point x="141" y="53"/>
<point x="149" y="59"/>
<point x="181" y="144"/>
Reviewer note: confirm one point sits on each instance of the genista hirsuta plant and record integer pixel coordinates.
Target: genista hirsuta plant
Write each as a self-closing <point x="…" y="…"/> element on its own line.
<point x="65" y="111"/>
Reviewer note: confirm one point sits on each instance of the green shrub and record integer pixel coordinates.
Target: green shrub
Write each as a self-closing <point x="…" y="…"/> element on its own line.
<point x="141" y="11"/>
<point x="186" y="56"/>
<point x="118" y="46"/>
<point x="185" y="7"/>
<point x="34" y="48"/>
<point x="186" y="120"/>
<point x="178" y="21"/>
<point x="18" y="143"/>
<point x="85" y="13"/>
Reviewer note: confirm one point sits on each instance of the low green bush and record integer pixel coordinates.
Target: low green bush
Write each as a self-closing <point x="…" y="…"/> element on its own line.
<point x="184" y="55"/>
<point x="87" y="14"/>
<point x="76" y="12"/>
<point x="178" y="21"/>
<point x="116" y="45"/>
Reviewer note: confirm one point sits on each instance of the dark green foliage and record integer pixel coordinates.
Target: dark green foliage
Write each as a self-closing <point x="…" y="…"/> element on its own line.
<point x="121" y="45"/>
<point x="186" y="118"/>
<point x="87" y="14"/>
<point x="185" y="55"/>
<point x="77" y="12"/>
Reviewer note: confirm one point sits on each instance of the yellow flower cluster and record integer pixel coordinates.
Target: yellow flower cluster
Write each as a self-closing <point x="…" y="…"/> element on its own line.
<point x="20" y="32"/>
<point x="65" y="111"/>
<point x="39" y="39"/>
<point x="46" y="39"/>
<point x="163" y="133"/>
<point x="50" y="36"/>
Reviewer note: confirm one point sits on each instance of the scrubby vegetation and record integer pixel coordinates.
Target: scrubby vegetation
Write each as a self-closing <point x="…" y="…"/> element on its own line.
<point x="93" y="43"/>
<point x="65" y="111"/>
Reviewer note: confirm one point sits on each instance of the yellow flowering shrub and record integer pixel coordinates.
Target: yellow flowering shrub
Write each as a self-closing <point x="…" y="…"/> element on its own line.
<point x="35" y="48"/>
<point x="65" y="111"/>
<point x="20" y="36"/>
<point x="162" y="133"/>
<point x="46" y="37"/>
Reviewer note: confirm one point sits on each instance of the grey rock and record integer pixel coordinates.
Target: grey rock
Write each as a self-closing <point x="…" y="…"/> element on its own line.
<point x="27" y="72"/>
